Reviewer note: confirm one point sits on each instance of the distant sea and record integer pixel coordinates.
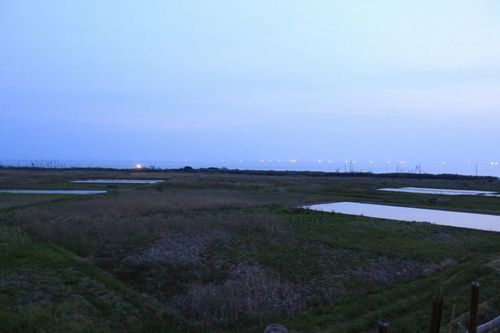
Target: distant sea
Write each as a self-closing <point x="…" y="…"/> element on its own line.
<point x="491" y="168"/>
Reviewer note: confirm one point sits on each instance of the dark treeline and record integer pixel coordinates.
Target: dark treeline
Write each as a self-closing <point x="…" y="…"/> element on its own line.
<point x="189" y="169"/>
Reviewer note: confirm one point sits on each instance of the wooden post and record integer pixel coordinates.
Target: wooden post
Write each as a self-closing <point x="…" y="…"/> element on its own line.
<point x="474" y="305"/>
<point x="452" y="318"/>
<point x="383" y="326"/>
<point x="437" y="311"/>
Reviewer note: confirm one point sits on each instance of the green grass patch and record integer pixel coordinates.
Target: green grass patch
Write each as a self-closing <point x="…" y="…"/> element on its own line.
<point x="45" y="288"/>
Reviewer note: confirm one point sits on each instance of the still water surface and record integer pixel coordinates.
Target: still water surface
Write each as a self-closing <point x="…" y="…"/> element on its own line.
<point x="441" y="217"/>
<point x="78" y="192"/>
<point x="118" y="181"/>
<point x="440" y="191"/>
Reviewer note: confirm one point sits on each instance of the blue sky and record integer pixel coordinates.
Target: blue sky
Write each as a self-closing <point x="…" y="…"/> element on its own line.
<point x="211" y="80"/>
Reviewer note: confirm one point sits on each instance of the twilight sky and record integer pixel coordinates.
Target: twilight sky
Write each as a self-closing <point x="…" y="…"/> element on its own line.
<point x="261" y="79"/>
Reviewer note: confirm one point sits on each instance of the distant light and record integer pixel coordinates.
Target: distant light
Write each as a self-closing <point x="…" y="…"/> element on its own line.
<point x="293" y="161"/>
<point x="444" y="163"/>
<point x="371" y="162"/>
<point x="139" y="166"/>
<point x="279" y="161"/>
<point x="240" y="161"/>
<point x="329" y="161"/>
<point x="389" y="162"/>
<point x="319" y="161"/>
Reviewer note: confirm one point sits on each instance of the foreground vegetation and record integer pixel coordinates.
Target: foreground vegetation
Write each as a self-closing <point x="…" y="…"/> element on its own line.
<point x="230" y="252"/>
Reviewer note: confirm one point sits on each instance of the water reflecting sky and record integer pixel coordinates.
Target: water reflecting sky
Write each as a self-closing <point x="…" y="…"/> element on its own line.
<point x="441" y="217"/>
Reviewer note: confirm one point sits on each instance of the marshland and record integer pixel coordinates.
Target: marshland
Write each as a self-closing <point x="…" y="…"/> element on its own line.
<point x="232" y="251"/>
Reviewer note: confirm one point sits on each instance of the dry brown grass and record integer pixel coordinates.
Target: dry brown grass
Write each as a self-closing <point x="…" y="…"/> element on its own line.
<point x="249" y="291"/>
<point x="134" y="219"/>
<point x="8" y="201"/>
<point x="143" y="246"/>
<point x="140" y="202"/>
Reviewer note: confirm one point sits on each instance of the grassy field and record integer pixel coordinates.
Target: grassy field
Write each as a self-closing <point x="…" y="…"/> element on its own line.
<point x="220" y="251"/>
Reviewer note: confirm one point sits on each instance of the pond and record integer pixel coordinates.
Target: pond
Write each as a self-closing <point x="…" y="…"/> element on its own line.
<point x="423" y="190"/>
<point x="119" y="181"/>
<point x="441" y="217"/>
<point x="29" y="191"/>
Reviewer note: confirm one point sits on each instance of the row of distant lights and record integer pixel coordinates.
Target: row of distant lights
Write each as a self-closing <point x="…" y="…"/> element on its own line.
<point x="354" y="162"/>
<point x="140" y="166"/>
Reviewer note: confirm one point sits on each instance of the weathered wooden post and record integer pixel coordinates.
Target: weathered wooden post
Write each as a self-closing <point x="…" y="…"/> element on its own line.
<point x="437" y="311"/>
<point x="276" y="328"/>
<point x="383" y="326"/>
<point x="474" y="306"/>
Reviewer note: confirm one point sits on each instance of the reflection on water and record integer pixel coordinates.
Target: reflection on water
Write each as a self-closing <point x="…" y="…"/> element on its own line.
<point x="79" y="192"/>
<point x="441" y="217"/>
<point x="118" y="181"/>
<point x="423" y="190"/>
